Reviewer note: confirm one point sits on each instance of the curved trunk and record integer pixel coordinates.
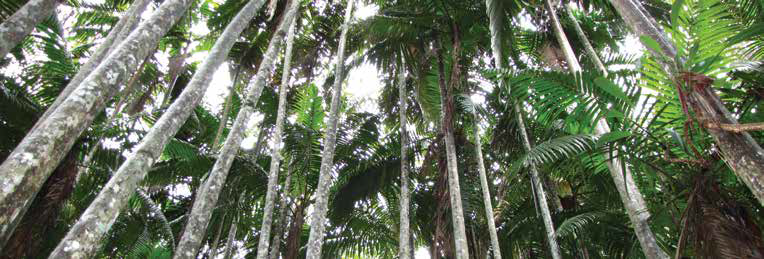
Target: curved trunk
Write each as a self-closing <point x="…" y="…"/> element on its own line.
<point x="404" y="250"/>
<point x="318" y="217"/>
<point x="14" y="29"/>
<point x="740" y="150"/>
<point x="84" y="238"/>
<point x="632" y="198"/>
<point x="208" y="194"/>
<point x="32" y="161"/>
<point x="273" y="175"/>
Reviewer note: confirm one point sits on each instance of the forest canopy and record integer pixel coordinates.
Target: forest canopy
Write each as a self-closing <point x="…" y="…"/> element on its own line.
<point x="381" y="129"/>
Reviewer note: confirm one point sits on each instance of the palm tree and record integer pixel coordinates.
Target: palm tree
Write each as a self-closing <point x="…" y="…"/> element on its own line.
<point x="96" y="220"/>
<point x="741" y="152"/>
<point x="318" y="217"/>
<point x="405" y="249"/>
<point x="197" y="224"/>
<point x="630" y="194"/>
<point x="273" y="176"/>
<point x="33" y="160"/>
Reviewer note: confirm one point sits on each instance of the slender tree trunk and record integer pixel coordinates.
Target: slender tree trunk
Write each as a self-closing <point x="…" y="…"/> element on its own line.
<point x="404" y="250"/>
<point x="538" y="187"/>
<point x="740" y="150"/>
<point x="632" y="198"/>
<point x="214" y="247"/>
<point x="486" y="193"/>
<point x="14" y="29"/>
<point x="447" y="113"/>
<point x="84" y="238"/>
<point x="295" y="231"/>
<point x="318" y="217"/>
<point x="227" y="107"/>
<point x="282" y="211"/>
<point x="118" y="33"/>
<point x="201" y="211"/>
<point x="273" y="175"/>
<point x="231" y="237"/>
<point x="31" y="163"/>
<point x="495" y="18"/>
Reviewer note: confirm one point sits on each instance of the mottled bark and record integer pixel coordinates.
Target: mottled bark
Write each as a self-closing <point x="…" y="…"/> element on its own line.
<point x="84" y="238"/>
<point x="318" y="217"/>
<point x="118" y="33"/>
<point x="31" y="163"/>
<point x="538" y="187"/>
<point x="273" y="173"/>
<point x="632" y="198"/>
<point x="593" y="56"/>
<point x="495" y="16"/>
<point x="447" y="127"/>
<point x="282" y="211"/>
<point x="486" y="193"/>
<point x="739" y="149"/>
<point x="404" y="246"/>
<point x="14" y="29"/>
<point x="208" y="194"/>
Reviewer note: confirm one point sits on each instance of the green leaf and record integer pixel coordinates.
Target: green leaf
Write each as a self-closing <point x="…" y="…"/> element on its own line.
<point x="675" y="10"/>
<point x="611" y="88"/>
<point x="650" y="43"/>
<point x="612" y="137"/>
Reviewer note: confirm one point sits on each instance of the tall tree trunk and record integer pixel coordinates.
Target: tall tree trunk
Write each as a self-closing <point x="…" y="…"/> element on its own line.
<point x="214" y="246"/>
<point x="118" y="33"/>
<point x="282" y="211"/>
<point x="538" y="188"/>
<point x="14" y="29"/>
<point x="486" y="193"/>
<point x="231" y="236"/>
<point x="32" y="161"/>
<point x="208" y="196"/>
<point x="404" y="248"/>
<point x="740" y="150"/>
<point x="631" y="197"/>
<point x="273" y="175"/>
<point x="447" y="114"/>
<point x="227" y="107"/>
<point x="84" y="238"/>
<point x="318" y="217"/>
<point x="295" y="231"/>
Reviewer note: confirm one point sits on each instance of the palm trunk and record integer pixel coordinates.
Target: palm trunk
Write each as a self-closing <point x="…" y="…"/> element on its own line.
<point x="447" y="113"/>
<point x="31" y="163"/>
<point x="318" y="217"/>
<point x="14" y="29"/>
<point x="231" y="236"/>
<point x="404" y="251"/>
<point x="118" y="33"/>
<point x="273" y="175"/>
<point x="84" y="238"/>
<point x="739" y="149"/>
<point x="486" y="193"/>
<point x="632" y="198"/>
<point x="208" y="196"/>
<point x="282" y="211"/>
<point x="227" y="108"/>
<point x="538" y="187"/>
<point x="214" y="247"/>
